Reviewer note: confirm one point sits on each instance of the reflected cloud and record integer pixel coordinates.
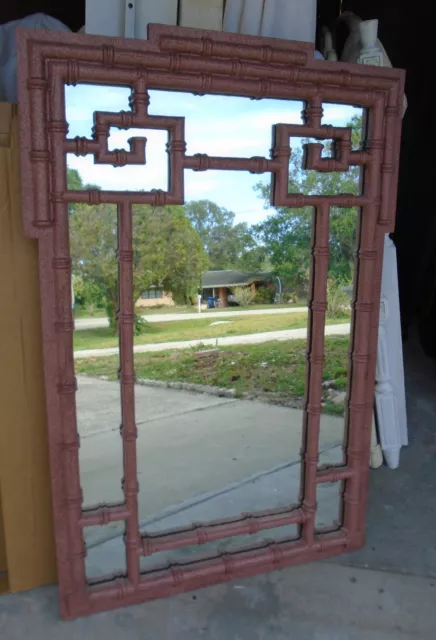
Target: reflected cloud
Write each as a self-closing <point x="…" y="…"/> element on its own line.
<point x="339" y="114"/>
<point x="200" y="186"/>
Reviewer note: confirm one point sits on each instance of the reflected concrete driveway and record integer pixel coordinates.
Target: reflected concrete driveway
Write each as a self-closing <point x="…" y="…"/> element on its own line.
<point x="189" y="444"/>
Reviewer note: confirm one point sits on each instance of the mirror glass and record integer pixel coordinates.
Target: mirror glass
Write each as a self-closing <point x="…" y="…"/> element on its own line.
<point x="221" y="288"/>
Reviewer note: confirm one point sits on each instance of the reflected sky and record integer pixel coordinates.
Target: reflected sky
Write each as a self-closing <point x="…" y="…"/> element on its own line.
<point x="216" y="125"/>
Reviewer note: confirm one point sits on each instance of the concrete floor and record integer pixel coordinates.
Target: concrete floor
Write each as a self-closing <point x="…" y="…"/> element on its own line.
<point x="387" y="591"/>
<point x="401" y="516"/>
<point x="310" y="602"/>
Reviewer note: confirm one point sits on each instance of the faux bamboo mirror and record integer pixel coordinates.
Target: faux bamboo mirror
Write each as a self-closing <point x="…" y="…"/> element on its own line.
<point x="218" y="205"/>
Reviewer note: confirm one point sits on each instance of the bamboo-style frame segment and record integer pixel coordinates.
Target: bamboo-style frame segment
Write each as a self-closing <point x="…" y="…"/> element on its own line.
<point x="200" y="62"/>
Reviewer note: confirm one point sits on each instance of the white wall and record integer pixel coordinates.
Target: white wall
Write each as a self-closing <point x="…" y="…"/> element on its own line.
<point x="112" y="17"/>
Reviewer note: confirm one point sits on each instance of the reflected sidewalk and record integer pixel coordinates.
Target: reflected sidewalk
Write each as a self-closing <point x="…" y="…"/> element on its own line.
<point x="251" y="338"/>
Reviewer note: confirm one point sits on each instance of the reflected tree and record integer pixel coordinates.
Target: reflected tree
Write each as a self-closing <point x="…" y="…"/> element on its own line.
<point x="167" y="252"/>
<point x="228" y="245"/>
<point x="286" y="233"/>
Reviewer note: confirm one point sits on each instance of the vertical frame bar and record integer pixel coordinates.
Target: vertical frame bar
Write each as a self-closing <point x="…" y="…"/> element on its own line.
<point x="129" y="432"/>
<point x="315" y="362"/>
<point x="365" y="302"/>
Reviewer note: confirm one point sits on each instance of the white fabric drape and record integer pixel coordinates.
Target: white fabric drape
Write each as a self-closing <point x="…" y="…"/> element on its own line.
<point x="289" y="19"/>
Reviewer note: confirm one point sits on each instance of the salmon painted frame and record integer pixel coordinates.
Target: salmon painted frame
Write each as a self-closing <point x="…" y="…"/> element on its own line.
<point x="202" y="62"/>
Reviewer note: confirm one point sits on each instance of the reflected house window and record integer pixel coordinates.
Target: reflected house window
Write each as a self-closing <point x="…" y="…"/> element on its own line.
<point x="155" y="296"/>
<point x="152" y="294"/>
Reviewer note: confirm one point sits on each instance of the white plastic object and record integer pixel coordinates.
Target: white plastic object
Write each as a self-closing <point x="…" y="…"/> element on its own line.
<point x="8" y="51"/>
<point x="354" y="48"/>
<point x="368" y="33"/>
<point x="329" y="51"/>
<point x="390" y="395"/>
<point x="371" y="52"/>
<point x="376" y="458"/>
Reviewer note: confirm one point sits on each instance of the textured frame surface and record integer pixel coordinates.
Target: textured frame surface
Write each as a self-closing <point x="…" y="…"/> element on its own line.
<point x="201" y="62"/>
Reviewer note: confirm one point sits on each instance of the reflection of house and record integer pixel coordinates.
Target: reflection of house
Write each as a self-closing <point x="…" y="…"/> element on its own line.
<point x="219" y="284"/>
<point x="155" y="297"/>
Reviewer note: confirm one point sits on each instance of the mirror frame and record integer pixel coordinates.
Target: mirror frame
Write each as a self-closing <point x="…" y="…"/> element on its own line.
<point x="202" y="62"/>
